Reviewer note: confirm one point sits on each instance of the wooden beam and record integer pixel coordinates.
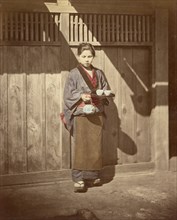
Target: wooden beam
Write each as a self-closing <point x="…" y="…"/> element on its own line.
<point x="160" y="114"/>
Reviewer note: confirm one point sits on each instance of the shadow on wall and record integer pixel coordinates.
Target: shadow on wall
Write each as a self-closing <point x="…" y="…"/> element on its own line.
<point x="112" y="137"/>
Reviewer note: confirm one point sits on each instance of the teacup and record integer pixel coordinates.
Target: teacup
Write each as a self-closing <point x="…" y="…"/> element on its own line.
<point x="99" y="92"/>
<point x="88" y="109"/>
<point x="107" y="92"/>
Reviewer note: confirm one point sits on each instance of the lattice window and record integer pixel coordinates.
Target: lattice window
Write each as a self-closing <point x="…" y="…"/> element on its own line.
<point x="111" y="28"/>
<point x="29" y="27"/>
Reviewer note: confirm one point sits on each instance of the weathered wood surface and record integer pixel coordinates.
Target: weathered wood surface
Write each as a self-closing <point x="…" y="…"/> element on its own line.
<point x="3" y="118"/>
<point x="32" y="138"/>
<point x="161" y="90"/>
<point x="37" y="141"/>
<point x="30" y="104"/>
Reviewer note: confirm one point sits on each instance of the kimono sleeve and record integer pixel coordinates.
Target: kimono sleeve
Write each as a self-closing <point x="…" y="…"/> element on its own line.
<point x="104" y="83"/>
<point x="71" y="93"/>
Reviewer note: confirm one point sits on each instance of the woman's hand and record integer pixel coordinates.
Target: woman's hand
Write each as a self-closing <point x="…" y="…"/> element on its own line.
<point x="86" y="97"/>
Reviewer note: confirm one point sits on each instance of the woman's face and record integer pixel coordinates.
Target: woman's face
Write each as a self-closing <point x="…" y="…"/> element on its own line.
<point x="86" y="58"/>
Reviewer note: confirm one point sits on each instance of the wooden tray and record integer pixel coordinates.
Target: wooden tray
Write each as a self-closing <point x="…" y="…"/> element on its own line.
<point x="103" y="96"/>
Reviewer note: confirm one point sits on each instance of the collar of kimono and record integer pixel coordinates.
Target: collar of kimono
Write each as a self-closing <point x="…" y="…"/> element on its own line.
<point x="93" y="80"/>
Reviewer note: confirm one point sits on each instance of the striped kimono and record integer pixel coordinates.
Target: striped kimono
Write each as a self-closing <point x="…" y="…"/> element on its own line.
<point x="87" y="128"/>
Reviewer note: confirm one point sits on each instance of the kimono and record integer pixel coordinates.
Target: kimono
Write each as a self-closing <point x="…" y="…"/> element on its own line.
<point x="87" y="129"/>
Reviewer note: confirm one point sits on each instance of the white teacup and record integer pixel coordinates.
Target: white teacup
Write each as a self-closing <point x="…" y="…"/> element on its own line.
<point x="89" y="109"/>
<point x="99" y="92"/>
<point x="107" y="92"/>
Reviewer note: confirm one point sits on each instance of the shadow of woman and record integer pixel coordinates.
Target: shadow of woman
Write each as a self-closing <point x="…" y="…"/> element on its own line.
<point x="113" y="139"/>
<point x="110" y="141"/>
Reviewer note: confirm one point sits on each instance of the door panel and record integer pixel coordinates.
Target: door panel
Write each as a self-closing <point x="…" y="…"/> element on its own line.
<point x="127" y="125"/>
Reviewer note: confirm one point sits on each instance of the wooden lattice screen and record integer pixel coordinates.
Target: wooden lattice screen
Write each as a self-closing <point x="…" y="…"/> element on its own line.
<point x="29" y="27"/>
<point x="106" y="28"/>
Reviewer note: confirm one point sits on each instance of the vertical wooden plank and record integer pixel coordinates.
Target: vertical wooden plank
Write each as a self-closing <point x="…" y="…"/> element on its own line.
<point x="135" y="27"/>
<point x="143" y="29"/>
<point x="81" y="28"/>
<point x="36" y="25"/>
<point x="51" y="28"/>
<point x="113" y="28"/>
<point x="21" y="26"/>
<point x="35" y="145"/>
<point x="53" y="107"/>
<point x="112" y="120"/>
<point x="139" y="28"/>
<point x="31" y="26"/>
<point x="117" y="28"/>
<point x="57" y="27"/>
<point x="5" y="26"/>
<point x="142" y="103"/>
<point x="26" y="26"/>
<point x="95" y="28"/>
<point x="126" y="28"/>
<point x="122" y="28"/>
<point x="65" y="65"/>
<point x="90" y="31"/>
<point x="43" y="108"/>
<point x="11" y="26"/>
<point x="76" y="21"/>
<point x="85" y="28"/>
<point x="100" y="28"/>
<point x="71" y="34"/>
<point x="35" y="110"/>
<point x="130" y="28"/>
<point x="3" y="116"/>
<point x="1" y="26"/>
<point x="16" y="112"/>
<point x="42" y="32"/>
<point x="108" y="28"/>
<point x="3" y="125"/>
<point x="46" y="26"/>
<point x="16" y="130"/>
<point x="119" y="104"/>
<point x="16" y="25"/>
<point x="104" y="28"/>
<point x="127" y="143"/>
<point x="161" y="137"/>
<point x="24" y="110"/>
<point x="148" y="29"/>
<point x="53" y="145"/>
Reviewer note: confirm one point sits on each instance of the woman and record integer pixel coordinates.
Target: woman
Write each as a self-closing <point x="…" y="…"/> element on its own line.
<point x="83" y="113"/>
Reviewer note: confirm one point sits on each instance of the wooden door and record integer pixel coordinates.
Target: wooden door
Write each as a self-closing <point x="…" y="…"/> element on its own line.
<point x="32" y="138"/>
<point x="30" y="105"/>
<point x="127" y="134"/>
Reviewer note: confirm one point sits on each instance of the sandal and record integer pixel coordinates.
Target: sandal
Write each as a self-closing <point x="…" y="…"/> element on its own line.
<point x="92" y="183"/>
<point x="79" y="186"/>
<point x="97" y="182"/>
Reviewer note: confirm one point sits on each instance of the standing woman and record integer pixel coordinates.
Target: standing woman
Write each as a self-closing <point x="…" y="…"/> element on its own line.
<point x="83" y="111"/>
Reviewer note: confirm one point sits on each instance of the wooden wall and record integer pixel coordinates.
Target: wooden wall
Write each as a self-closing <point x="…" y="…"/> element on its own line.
<point x="30" y="104"/>
<point x="32" y="77"/>
<point x="31" y="101"/>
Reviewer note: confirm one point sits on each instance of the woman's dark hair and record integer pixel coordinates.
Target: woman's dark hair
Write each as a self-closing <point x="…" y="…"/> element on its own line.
<point x="85" y="46"/>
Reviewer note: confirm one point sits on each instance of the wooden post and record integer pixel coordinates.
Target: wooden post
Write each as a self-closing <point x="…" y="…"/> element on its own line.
<point x="66" y="144"/>
<point x="160" y="114"/>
